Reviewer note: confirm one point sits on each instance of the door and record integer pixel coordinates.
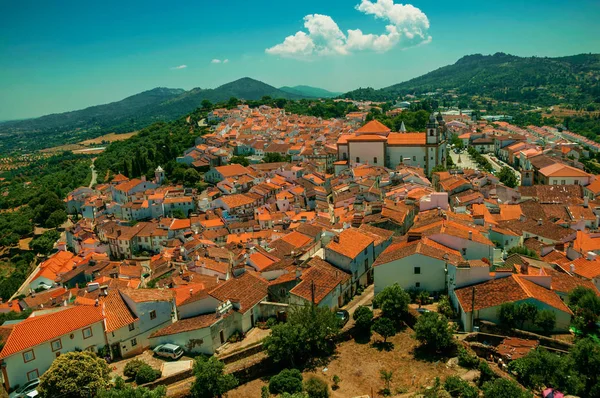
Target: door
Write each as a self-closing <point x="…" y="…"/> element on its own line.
<point x="222" y="335"/>
<point x="252" y="319"/>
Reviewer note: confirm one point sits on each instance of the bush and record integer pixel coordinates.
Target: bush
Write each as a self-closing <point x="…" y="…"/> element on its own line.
<point x="211" y="379"/>
<point x="445" y="307"/>
<point x="385" y="328"/>
<point x="485" y="373"/>
<point x="460" y="388"/>
<point x="271" y="322"/>
<point x="316" y="388"/>
<point x="145" y="374"/>
<point x="288" y="380"/>
<point x="336" y="382"/>
<point x="466" y="359"/>
<point x="503" y="388"/>
<point x="132" y="367"/>
<point x="546" y="320"/>
<point x="393" y="301"/>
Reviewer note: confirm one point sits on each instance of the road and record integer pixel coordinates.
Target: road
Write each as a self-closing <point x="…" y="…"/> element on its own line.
<point x="499" y="164"/>
<point x="94" y="174"/>
<point x="465" y="160"/>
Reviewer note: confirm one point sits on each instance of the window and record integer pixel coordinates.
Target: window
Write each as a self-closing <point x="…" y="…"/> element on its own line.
<point x="365" y="251"/>
<point x="418" y="284"/>
<point x="431" y="133"/>
<point x="375" y="160"/>
<point x="424" y="158"/>
<point x="34" y="374"/>
<point x="28" y="356"/>
<point x="464" y="251"/>
<point x="576" y="182"/>
<point x="563" y="182"/>
<point x="357" y="159"/>
<point x="87" y="333"/>
<point x="354" y="275"/>
<point x="367" y="264"/>
<point x="152" y="315"/>
<point x="414" y="158"/>
<point x="133" y="342"/>
<point x="417" y="270"/>
<point x="56" y="345"/>
<point x="131" y="326"/>
<point x="344" y="156"/>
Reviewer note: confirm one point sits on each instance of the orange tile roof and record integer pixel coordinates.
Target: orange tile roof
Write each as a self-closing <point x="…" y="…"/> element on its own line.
<point x="117" y="312"/>
<point x="247" y="290"/>
<point x="39" y="329"/>
<point x="424" y="246"/>
<point x="407" y="139"/>
<point x="232" y="170"/>
<point x="260" y="260"/>
<point x="351" y="243"/>
<point x="323" y="276"/>
<point x="184" y="292"/>
<point x="296" y="239"/>
<point x="374" y="126"/>
<point x="562" y="170"/>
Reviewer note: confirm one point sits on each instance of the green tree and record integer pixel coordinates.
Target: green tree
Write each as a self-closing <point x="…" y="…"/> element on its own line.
<point x="508" y="177"/>
<point x="504" y="388"/>
<point x="128" y="391"/>
<point x="393" y="301"/>
<point x="44" y="243"/>
<point x="422" y="297"/>
<point x="386" y="376"/>
<point x="546" y="320"/>
<point x="232" y="103"/>
<point x="178" y="213"/>
<point x="308" y="333"/>
<point x="363" y="317"/>
<point x="239" y="160"/>
<point x="434" y="332"/>
<point x="56" y="219"/>
<point x="273" y="157"/>
<point x="316" y="388"/>
<point x="132" y="367"/>
<point x="526" y="312"/>
<point x="206" y="105"/>
<point x="585" y="304"/>
<point x="524" y="251"/>
<point x="211" y="379"/>
<point x="146" y="374"/>
<point x="385" y="328"/>
<point x="460" y="388"/>
<point x="80" y="374"/>
<point x="585" y="358"/>
<point x="288" y="380"/>
<point x="191" y="177"/>
<point x="264" y="392"/>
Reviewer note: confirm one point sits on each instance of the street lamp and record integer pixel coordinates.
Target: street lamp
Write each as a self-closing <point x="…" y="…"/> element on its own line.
<point x="446" y="257"/>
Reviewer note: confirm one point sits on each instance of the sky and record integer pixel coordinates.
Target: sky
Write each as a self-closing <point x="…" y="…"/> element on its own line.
<point x="58" y="56"/>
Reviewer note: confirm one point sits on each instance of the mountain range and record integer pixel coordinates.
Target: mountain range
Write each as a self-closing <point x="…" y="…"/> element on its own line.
<point x="536" y="80"/>
<point x="310" y="92"/>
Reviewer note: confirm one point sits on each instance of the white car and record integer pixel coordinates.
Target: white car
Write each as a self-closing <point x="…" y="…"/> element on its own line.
<point x="169" y="351"/>
<point x="26" y="390"/>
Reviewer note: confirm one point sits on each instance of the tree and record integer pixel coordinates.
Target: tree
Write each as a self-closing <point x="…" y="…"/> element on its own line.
<point x="206" y="104"/>
<point x="385" y="328"/>
<point x="585" y="304"/>
<point x="44" y="243"/>
<point x="393" y="301"/>
<point x="211" y="380"/>
<point x="504" y="388"/>
<point x="526" y="312"/>
<point x="507" y="315"/>
<point x="239" y="160"/>
<point x="288" y="380"/>
<point x="445" y="307"/>
<point x="508" y="177"/>
<point x="264" y="392"/>
<point x="523" y="250"/>
<point x="81" y="374"/>
<point x="232" y="103"/>
<point x="56" y="219"/>
<point x="386" y="376"/>
<point x="585" y="358"/>
<point x="132" y="367"/>
<point x="545" y="320"/>
<point x="316" y="388"/>
<point x="363" y="316"/>
<point x="460" y="388"/>
<point x="336" y="382"/>
<point x="123" y="390"/>
<point x="146" y="374"/>
<point x="273" y="157"/>
<point x="422" y="297"/>
<point x="434" y="332"/>
<point x="309" y="332"/>
<point x="191" y="177"/>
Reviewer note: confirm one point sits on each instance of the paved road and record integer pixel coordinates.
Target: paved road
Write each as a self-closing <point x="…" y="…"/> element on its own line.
<point x="94" y="174"/>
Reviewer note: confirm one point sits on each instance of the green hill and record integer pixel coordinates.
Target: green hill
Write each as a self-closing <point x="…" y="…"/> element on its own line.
<point x="311" y="92"/>
<point x="536" y="80"/>
<point x="129" y="114"/>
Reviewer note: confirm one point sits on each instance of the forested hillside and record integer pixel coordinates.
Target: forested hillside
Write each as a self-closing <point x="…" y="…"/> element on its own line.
<point x="574" y="80"/>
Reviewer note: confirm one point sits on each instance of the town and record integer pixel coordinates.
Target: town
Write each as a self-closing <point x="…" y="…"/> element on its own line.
<point x="470" y="215"/>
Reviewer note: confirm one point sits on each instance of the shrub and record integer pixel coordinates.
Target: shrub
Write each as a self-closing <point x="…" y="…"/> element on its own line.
<point x="466" y="359"/>
<point x="132" y="367"/>
<point x="434" y="332"/>
<point x="363" y="316"/>
<point x="146" y="374"/>
<point x="384" y="327"/>
<point x="264" y="392"/>
<point x="445" y="308"/>
<point x="503" y="388"/>
<point x="288" y="380"/>
<point x="393" y="301"/>
<point x="271" y="322"/>
<point x="485" y="373"/>
<point x="336" y="382"/>
<point x="316" y="388"/>
<point x="460" y="388"/>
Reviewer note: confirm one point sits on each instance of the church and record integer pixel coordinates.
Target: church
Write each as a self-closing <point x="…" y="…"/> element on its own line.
<point x="374" y="144"/>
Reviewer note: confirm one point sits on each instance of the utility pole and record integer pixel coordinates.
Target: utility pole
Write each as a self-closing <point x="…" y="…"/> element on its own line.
<point x="473" y="310"/>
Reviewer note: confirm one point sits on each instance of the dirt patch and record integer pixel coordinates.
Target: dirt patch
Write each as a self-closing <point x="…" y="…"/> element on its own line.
<point x="359" y="365"/>
<point x="112" y="137"/>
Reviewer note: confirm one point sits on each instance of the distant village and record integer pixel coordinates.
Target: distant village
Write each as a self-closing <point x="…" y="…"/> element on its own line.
<point x="354" y="204"/>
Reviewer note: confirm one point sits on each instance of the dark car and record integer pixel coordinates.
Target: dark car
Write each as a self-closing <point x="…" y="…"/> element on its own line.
<point x="343" y="316"/>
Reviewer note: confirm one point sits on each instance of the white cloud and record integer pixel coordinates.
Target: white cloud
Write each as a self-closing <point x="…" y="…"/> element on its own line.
<point x="408" y="26"/>
<point x="219" y="61"/>
<point x="225" y="61"/>
<point x="179" y="67"/>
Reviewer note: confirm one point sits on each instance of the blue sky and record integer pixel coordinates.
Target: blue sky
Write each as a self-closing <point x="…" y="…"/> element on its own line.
<point x="57" y="56"/>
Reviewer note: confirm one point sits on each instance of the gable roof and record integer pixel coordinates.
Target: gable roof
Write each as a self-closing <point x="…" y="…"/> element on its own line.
<point x="247" y="290"/>
<point x="374" y="126"/>
<point x="350" y="243"/>
<point x="38" y="329"/>
<point x="423" y="246"/>
<point x="323" y="276"/>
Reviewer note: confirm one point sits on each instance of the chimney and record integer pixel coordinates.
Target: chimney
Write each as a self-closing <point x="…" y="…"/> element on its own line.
<point x="586" y="201"/>
<point x="525" y="268"/>
<point x="470" y="235"/>
<point x="191" y="292"/>
<point x="591" y="256"/>
<point x="336" y="239"/>
<point x="413" y="236"/>
<point x="97" y="303"/>
<point x="572" y="268"/>
<point x="540" y="221"/>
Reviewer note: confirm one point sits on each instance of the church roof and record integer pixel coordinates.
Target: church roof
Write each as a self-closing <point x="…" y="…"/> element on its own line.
<point x="373" y="127"/>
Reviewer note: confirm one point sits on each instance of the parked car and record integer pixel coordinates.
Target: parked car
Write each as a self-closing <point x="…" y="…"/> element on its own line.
<point x="26" y="390"/>
<point x="343" y="316"/>
<point x="171" y="351"/>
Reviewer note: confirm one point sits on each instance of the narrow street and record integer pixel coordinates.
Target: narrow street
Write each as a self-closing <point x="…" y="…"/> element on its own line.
<point x="94" y="174"/>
